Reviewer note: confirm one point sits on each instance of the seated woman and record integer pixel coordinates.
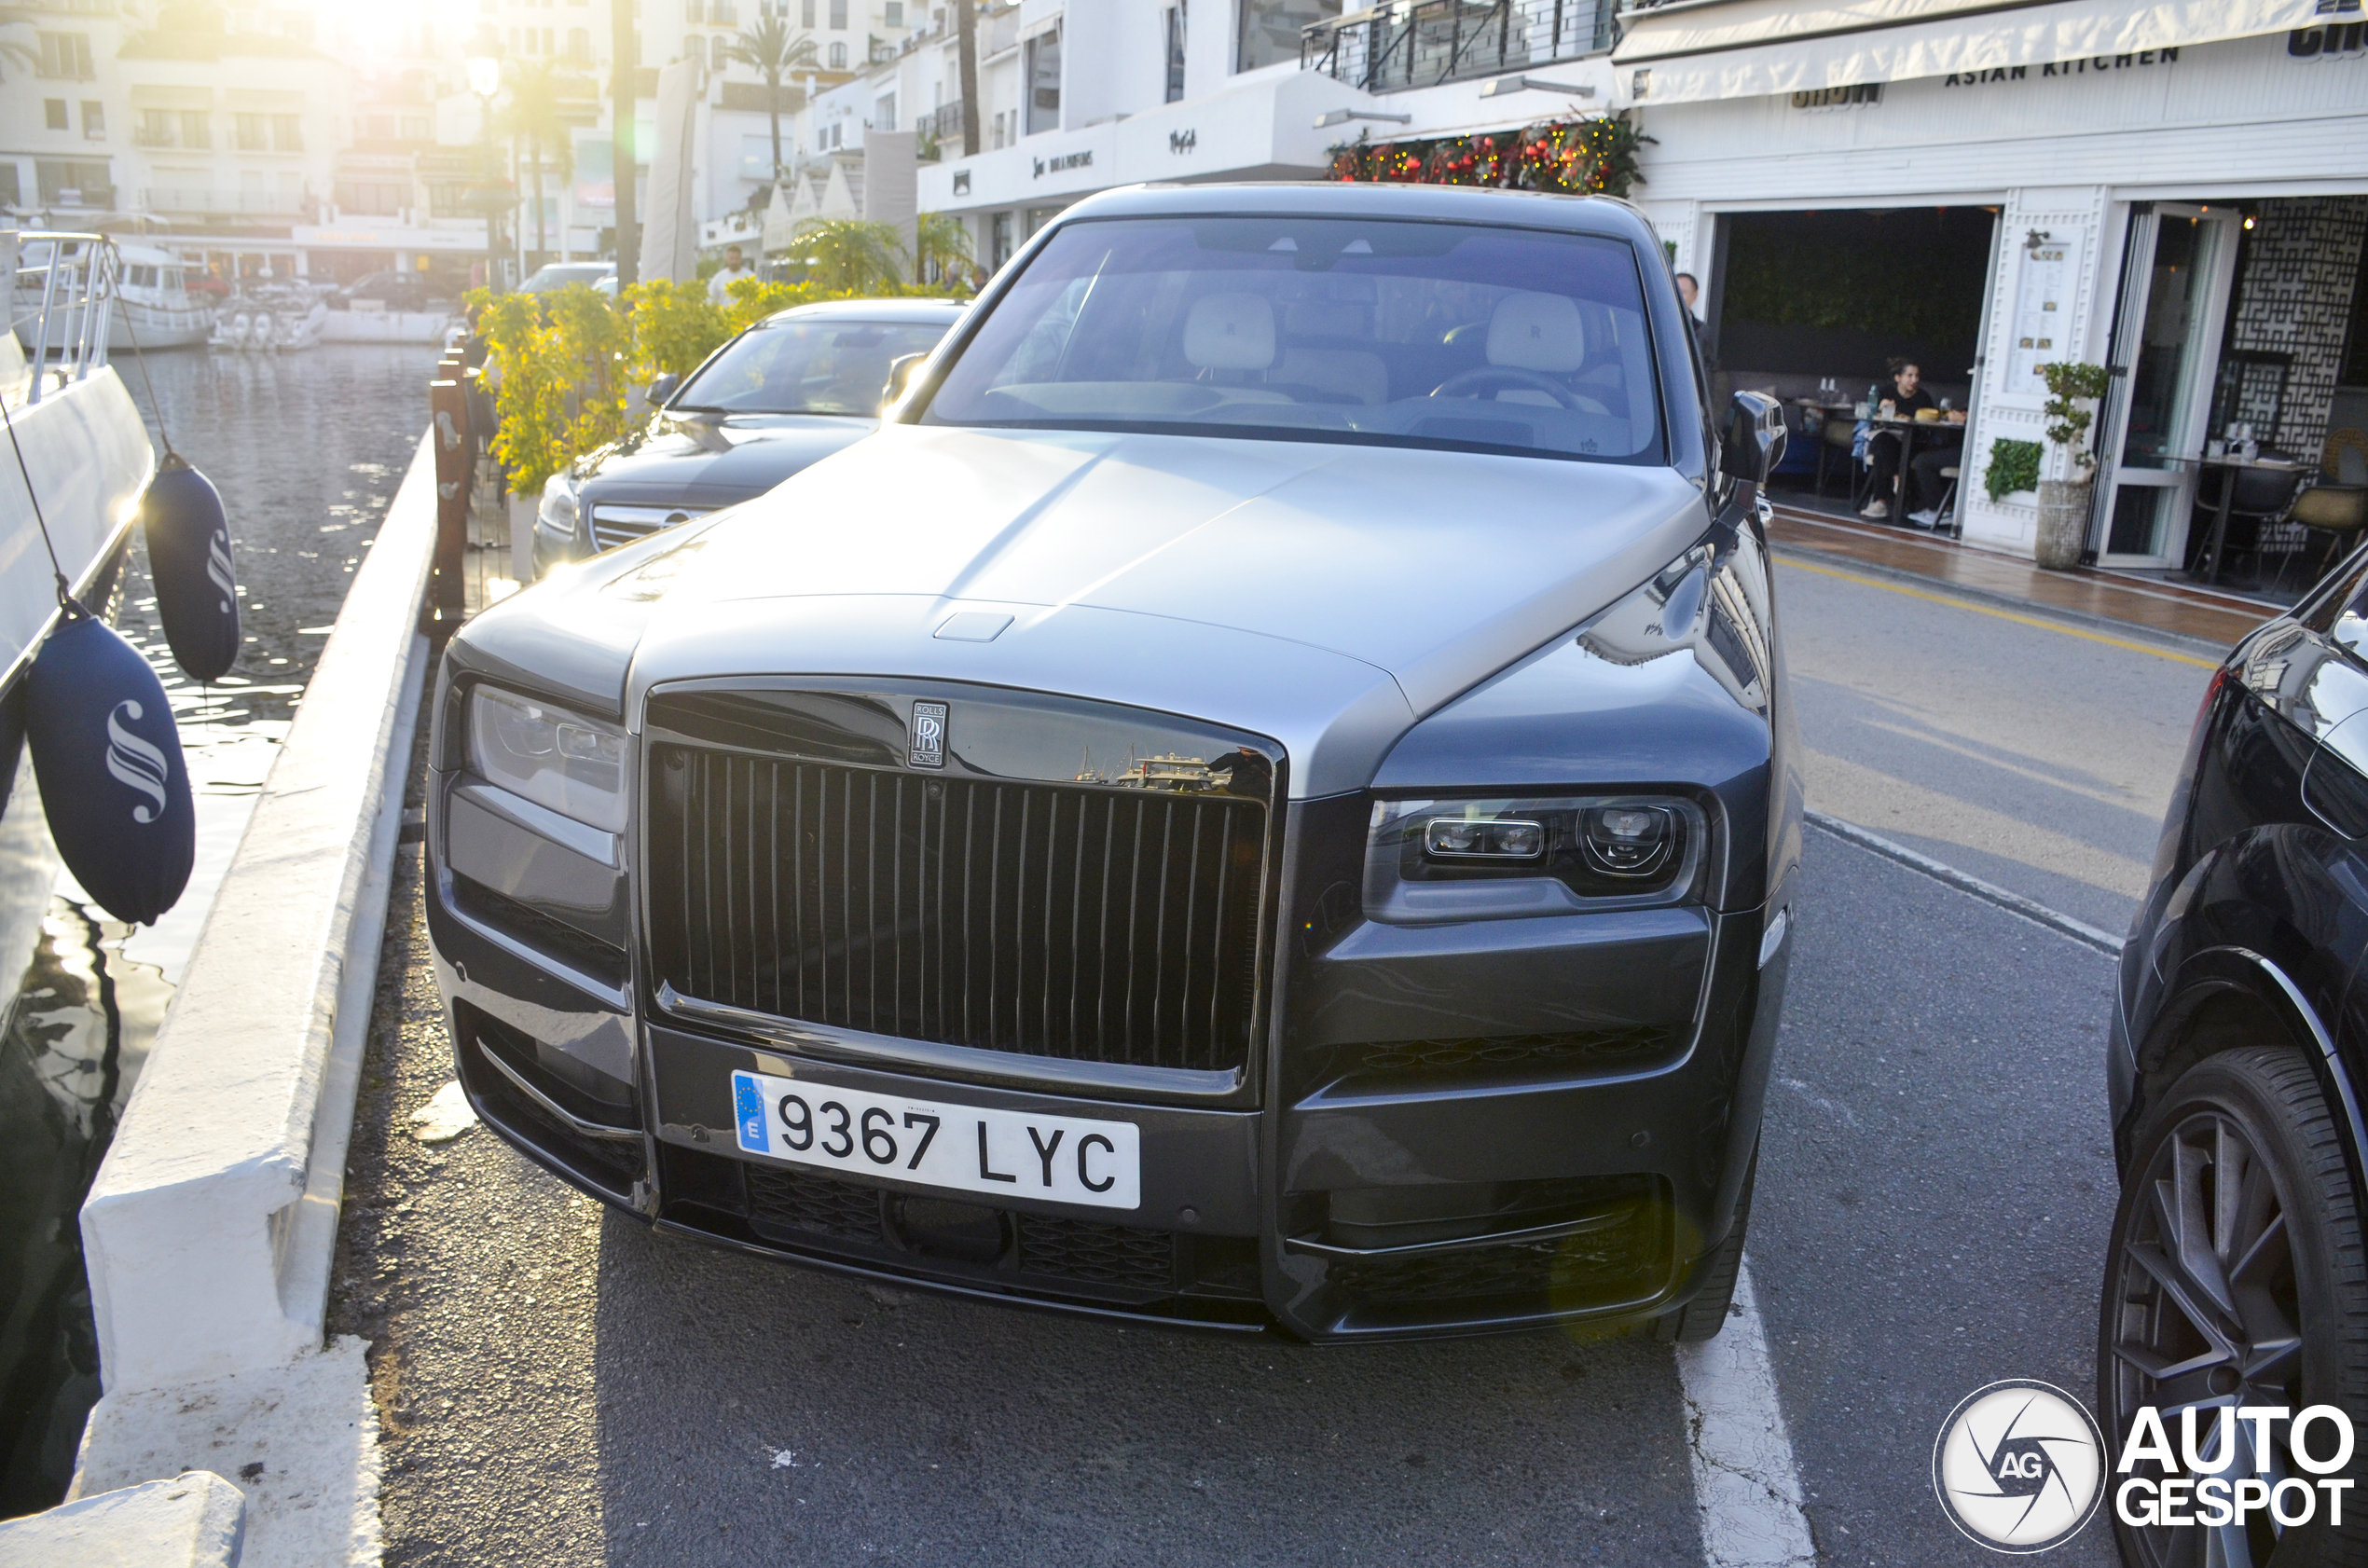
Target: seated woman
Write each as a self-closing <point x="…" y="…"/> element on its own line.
<point x="1905" y="396"/>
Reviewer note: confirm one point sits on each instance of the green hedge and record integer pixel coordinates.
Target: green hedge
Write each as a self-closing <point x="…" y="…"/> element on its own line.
<point x="2014" y="465"/>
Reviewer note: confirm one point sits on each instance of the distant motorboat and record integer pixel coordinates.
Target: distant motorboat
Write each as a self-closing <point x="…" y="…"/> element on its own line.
<point x="151" y="305"/>
<point x="269" y="319"/>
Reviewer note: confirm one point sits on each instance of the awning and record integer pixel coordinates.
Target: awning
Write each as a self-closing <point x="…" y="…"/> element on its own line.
<point x="1698" y="50"/>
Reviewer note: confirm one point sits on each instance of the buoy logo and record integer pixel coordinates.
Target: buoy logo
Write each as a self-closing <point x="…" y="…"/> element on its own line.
<point x="217" y="567"/>
<point x="2019" y="1466"/>
<point x="136" y="762"/>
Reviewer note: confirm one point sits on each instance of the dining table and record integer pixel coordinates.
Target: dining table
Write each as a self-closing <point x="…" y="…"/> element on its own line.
<point x="1909" y="428"/>
<point x="2229" y="464"/>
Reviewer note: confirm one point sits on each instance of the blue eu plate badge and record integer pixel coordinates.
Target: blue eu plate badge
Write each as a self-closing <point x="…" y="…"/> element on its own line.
<point x="748" y="1104"/>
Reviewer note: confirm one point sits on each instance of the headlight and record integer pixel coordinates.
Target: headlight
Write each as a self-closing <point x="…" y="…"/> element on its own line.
<point x="555" y="516"/>
<point x="1600" y="847"/>
<point x="572" y="765"/>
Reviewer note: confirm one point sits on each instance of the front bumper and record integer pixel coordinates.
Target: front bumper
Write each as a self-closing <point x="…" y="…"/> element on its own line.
<point x="1460" y="1186"/>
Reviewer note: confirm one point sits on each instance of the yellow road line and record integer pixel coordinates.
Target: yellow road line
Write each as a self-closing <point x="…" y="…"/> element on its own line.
<point x="2039" y="622"/>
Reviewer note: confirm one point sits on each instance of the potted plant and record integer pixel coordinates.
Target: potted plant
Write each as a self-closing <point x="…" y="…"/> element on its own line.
<point x="2063" y="498"/>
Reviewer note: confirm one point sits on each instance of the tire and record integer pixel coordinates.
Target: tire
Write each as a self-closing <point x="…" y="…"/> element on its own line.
<point x="2256" y="1115"/>
<point x="1702" y="1317"/>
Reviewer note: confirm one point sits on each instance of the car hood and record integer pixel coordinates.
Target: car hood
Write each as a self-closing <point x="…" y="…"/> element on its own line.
<point x="715" y="461"/>
<point x="1328" y="595"/>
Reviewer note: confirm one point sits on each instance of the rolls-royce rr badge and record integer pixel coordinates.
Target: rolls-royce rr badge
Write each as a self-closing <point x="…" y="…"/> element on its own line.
<point x="929" y="734"/>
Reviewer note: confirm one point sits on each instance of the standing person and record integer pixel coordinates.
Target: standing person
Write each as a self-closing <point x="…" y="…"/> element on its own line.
<point x="718" y="288"/>
<point x="1902" y="400"/>
<point x="1689" y="289"/>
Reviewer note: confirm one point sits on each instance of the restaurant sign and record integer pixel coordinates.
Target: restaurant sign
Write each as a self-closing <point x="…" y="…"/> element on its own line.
<point x="2088" y="66"/>
<point x="1066" y="161"/>
<point x="2325" y="42"/>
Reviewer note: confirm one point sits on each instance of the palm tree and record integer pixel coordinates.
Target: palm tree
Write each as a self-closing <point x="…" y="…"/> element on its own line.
<point x="942" y="242"/>
<point x="775" y="54"/>
<point x="536" y="112"/>
<point x="848" y="255"/>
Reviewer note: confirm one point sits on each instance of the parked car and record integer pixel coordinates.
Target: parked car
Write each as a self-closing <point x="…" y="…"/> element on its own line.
<point x="388" y="291"/>
<point x="1265" y="796"/>
<point x="557" y="275"/>
<point x="2237" y="1274"/>
<point x="790" y="391"/>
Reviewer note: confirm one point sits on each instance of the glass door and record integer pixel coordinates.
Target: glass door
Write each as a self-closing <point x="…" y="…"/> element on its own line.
<point x="2174" y="298"/>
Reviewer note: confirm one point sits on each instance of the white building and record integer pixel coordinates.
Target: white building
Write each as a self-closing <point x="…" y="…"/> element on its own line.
<point x="2177" y="191"/>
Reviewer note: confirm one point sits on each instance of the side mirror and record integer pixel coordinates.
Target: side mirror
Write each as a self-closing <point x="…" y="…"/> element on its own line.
<point x="662" y="389"/>
<point x="1753" y="441"/>
<point x="900" y="377"/>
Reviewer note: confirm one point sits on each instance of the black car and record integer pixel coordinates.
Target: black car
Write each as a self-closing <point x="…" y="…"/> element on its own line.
<point x="1265" y="796"/>
<point x="790" y="391"/>
<point x="2237" y="1276"/>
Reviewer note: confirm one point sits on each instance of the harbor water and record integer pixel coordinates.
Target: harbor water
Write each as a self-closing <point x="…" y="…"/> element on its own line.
<point x="307" y="450"/>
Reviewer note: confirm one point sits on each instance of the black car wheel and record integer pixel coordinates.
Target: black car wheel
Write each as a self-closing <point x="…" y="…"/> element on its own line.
<point x="2236" y="1277"/>
<point x="1702" y="1317"/>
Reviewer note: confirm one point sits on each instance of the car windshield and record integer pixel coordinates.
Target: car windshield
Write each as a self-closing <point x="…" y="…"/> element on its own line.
<point x="829" y="367"/>
<point x="1392" y="333"/>
<point x="550" y="277"/>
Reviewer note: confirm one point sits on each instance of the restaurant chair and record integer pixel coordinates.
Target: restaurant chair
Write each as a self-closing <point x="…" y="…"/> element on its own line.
<point x="1840" y="435"/>
<point x="2262" y="500"/>
<point x="2338" y="511"/>
<point x="1945" y="515"/>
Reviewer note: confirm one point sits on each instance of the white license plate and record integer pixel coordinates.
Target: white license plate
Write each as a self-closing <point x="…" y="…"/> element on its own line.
<point x="963" y="1149"/>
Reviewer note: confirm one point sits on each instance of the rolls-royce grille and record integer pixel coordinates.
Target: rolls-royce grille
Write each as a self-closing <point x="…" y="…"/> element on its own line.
<point x="1093" y="923"/>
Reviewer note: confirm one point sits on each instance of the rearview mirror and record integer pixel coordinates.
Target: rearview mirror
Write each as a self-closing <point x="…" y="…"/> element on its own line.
<point x="900" y="376"/>
<point x="1753" y="441"/>
<point x="662" y="389"/>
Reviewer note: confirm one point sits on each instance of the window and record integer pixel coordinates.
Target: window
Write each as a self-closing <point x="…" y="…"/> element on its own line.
<point x="838" y="14"/>
<point x="1174" y="53"/>
<point x="287" y="134"/>
<point x="11" y="194"/>
<point x="892" y="13"/>
<point x="1270" y="29"/>
<point x="723" y="52"/>
<point x="418" y="128"/>
<point x="156" y="128"/>
<point x="806" y="367"/>
<point x="68" y="182"/>
<point x="196" y="129"/>
<point x="806" y="14"/>
<point x="381" y="198"/>
<point x="1354" y="331"/>
<point x="247" y="132"/>
<point x="53" y="115"/>
<point x="999" y="246"/>
<point x="579" y="45"/>
<point x="66" y="56"/>
<point x="884" y="112"/>
<point x="838" y="57"/>
<point x="1043" y="104"/>
<point x="695" y="11"/>
<point x="94" y="121"/>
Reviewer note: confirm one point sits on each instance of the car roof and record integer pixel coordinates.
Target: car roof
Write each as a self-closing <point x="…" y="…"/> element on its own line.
<point x="890" y="310"/>
<point x="1344" y="199"/>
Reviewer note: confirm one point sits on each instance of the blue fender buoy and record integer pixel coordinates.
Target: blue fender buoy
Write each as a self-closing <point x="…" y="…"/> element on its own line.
<point x="189" y="557"/>
<point x="108" y="758"/>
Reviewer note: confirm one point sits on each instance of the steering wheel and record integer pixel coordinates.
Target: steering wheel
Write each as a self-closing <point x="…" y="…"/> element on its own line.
<point x="1494" y="378"/>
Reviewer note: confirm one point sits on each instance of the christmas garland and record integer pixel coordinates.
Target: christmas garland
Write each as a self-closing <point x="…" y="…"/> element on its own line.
<point x="1586" y="154"/>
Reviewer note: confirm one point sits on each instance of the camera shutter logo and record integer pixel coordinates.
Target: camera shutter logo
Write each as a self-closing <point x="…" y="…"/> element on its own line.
<point x="2019" y="1466"/>
<point x="929" y="734"/>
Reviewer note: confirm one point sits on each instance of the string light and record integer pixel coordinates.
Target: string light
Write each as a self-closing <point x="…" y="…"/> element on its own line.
<point x="1585" y="154"/>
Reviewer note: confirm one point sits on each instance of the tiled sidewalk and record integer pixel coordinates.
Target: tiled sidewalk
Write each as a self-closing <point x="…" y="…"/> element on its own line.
<point x="2171" y="609"/>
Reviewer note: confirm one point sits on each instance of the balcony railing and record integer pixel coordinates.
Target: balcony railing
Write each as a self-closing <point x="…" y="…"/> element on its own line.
<point x="942" y="126"/>
<point x="1407" y="44"/>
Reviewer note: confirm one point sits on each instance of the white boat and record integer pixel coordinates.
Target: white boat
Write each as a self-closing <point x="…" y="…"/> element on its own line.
<point x="151" y="304"/>
<point x="269" y="319"/>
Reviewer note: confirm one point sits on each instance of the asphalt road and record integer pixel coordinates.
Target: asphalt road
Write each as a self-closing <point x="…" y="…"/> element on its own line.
<point x="558" y="1385"/>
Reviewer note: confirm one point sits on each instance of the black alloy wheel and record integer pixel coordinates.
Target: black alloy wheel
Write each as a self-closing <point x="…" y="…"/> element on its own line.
<point x="2236" y="1277"/>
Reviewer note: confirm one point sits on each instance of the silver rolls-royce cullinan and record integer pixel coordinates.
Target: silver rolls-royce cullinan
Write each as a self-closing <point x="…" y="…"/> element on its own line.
<point x="1263" y="797"/>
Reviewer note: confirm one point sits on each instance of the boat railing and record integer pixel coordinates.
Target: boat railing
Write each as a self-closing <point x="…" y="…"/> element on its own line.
<point x="76" y="278"/>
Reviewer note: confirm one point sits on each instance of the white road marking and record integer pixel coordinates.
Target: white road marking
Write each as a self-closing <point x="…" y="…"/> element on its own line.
<point x="1745" y="1487"/>
<point x="1965" y="882"/>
